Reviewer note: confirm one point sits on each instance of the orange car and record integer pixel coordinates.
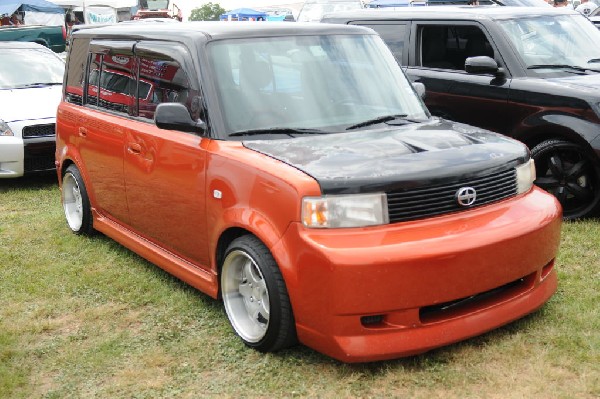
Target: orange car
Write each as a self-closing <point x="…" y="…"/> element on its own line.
<point x="296" y="174"/>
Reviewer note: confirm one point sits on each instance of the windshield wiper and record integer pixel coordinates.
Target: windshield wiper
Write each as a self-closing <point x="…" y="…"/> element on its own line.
<point x="558" y="66"/>
<point x="41" y="84"/>
<point x="374" y="121"/>
<point x="277" y="130"/>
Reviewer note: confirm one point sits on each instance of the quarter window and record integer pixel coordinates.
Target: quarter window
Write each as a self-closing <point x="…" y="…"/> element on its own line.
<point x="76" y="71"/>
<point x="162" y="79"/>
<point x="393" y="35"/>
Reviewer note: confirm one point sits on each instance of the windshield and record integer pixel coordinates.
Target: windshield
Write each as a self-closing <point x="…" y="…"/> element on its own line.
<point x="327" y="82"/>
<point x="555" y="40"/>
<point x="26" y="67"/>
<point x="313" y="12"/>
<point x="157" y="4"/>
<point x="522" y="3"/>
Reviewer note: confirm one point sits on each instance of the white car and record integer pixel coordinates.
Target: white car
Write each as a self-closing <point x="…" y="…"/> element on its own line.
<point x="30" y="91"/>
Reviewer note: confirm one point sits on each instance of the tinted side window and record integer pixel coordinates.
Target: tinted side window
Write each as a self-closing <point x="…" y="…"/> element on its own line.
<point x="93" y="78"/>
<point x="76" y="71"/>
<point x="114" y="74"/>
<point x="447" y="46"/>
<point x="162" y="78"/>
<point x="393" y="35"/>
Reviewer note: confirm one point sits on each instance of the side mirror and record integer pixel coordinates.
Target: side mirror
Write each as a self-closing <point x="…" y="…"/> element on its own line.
<point x="420" y="89"/>
<point x="175" y="116"/>
<point x="482" y="65"/>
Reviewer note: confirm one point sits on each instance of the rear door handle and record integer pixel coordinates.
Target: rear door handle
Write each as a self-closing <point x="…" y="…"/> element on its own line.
<point x="134" y="148"/>
<point x="82" y="131"/>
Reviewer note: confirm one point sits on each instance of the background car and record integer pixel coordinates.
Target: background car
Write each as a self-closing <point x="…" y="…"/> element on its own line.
<point x="531" y="73"/>
<point x="595" y="17"/>
<point x="30" y="89"/>
<point x="313" y="10"/>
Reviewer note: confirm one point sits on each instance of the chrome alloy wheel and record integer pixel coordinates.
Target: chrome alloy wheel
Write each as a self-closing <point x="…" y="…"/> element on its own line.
<point x="72" y="202"/>
<point x="245" y="296"/>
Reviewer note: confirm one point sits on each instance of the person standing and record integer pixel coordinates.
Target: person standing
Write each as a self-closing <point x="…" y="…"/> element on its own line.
<point x="586" y="7"/>
<point x="562" y="3"/>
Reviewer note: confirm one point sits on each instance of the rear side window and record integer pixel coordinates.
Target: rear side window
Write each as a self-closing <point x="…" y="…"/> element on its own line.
<point x="76" y="71"/>
<point x="448" y="46"/>
<point x="132" y="77"/>
<point x="112" y="82"/>
<point x="394" y="35"/>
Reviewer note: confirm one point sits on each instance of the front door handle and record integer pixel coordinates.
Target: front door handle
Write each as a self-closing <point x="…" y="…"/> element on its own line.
<point x="82" y="131"/>
<point x="134" y="148"/>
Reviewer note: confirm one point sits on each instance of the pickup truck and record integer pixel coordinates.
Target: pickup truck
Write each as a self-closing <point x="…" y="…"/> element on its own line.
<point x="53" y="37"/>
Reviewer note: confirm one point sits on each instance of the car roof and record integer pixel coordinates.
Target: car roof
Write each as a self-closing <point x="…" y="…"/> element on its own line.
<point x="214" y="30"/>
<point x="22" y="45"/>
<point x="446" y="12"/>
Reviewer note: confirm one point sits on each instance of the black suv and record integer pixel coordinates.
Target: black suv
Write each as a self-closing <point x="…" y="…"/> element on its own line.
<point x="530" y="73"/>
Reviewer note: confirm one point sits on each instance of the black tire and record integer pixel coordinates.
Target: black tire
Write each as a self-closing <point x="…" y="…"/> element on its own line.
<point x="255" y="296"/>
<point x="76" y="203"/>
<point x="571" y="173"/>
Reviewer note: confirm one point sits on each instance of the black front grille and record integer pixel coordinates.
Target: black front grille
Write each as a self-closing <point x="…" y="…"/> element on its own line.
<point x="420" y="203"/>
<point x="38" y="131"/>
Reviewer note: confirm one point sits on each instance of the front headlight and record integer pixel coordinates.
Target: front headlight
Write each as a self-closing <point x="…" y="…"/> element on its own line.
<point x="356" y="210"/>
<point x="525" y="176"/>
<point x="5" y="129"/>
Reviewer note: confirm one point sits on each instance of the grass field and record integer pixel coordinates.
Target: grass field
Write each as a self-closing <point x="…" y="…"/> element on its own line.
<point x="85" y="317"/>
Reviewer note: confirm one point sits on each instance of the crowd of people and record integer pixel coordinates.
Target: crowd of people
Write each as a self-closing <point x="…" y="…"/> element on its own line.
<point x="13" y="20"/>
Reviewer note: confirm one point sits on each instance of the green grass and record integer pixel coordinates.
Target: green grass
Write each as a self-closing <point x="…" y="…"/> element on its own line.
<point x="85" y="317"/>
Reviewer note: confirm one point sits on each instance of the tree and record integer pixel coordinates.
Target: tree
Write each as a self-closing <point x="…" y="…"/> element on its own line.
<point x="208" y="12"/>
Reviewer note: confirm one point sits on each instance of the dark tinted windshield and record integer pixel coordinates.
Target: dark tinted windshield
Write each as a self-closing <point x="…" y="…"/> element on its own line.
<point x="24" y="67"/>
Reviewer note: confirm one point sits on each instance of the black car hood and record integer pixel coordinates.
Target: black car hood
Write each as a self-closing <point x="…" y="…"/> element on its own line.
<point x="410" y="156"/>
<point x="589" y="84"/>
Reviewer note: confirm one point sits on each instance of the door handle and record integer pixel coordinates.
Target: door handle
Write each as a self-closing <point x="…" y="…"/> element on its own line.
<point x="134" y="148"/>
<point x="82" y="131"/>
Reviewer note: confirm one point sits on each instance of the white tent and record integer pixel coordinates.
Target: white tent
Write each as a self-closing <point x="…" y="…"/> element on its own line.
<point x="84" y="3"/>
<point x="97" y="11"/>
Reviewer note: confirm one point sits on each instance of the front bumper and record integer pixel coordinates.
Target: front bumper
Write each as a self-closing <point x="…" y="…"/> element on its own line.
<point x="398" y="290"/>
<point x="19" y="156"/>
<point x="11" y="156"/>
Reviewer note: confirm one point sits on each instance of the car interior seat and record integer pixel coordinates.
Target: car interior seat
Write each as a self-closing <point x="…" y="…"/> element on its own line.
<point x="478" y="45"/>
<point x="433" y="48"/>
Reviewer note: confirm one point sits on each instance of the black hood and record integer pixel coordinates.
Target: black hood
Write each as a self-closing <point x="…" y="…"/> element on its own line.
<point x="410" y="156"/>
<point x="586" y="85"/>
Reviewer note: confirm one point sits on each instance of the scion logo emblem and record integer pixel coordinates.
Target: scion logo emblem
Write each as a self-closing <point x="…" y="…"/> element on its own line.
<point x="466" y="196"/>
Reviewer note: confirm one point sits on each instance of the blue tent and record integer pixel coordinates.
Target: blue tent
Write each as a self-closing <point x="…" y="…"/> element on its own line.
<point x="243" y="14"/>
<point x="8" y="7"/>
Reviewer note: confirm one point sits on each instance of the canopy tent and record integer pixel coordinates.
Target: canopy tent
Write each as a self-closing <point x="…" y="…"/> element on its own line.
<point x="34" y="12"/>
<point x="109" y="3"/>
<point x="244" y="14"/>
<point x="99" y="11"/>
<point x="8" y="7"/>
